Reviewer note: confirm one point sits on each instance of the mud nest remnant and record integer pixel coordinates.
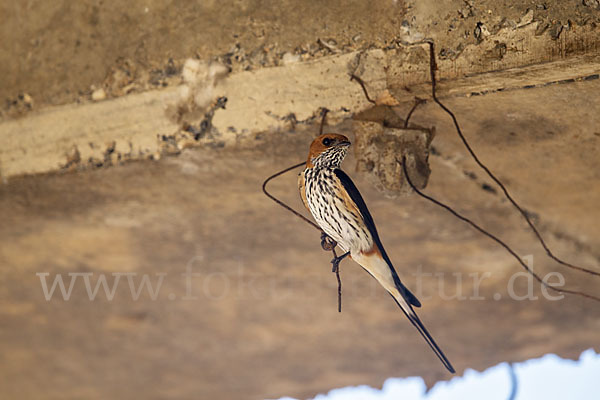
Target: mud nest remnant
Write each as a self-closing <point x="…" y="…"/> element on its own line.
<point x="382" y="141"/>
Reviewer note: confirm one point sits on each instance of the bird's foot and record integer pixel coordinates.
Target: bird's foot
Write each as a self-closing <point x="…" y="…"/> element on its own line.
<point x="327" y="243"/>
<point x="335" y="263"/>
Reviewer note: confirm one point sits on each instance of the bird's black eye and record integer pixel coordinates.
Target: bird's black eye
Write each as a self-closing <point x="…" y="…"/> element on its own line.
<point x="327" y="142"/>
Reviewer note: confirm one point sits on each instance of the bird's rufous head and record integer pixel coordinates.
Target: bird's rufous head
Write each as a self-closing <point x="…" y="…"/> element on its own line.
<point x="328" y="151"/>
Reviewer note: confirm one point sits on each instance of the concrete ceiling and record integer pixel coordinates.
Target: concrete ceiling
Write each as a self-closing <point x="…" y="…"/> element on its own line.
<point x="259" y="319"/>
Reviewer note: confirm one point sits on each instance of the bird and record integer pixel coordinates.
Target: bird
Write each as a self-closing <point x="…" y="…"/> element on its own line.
<point x="339" y="209"/>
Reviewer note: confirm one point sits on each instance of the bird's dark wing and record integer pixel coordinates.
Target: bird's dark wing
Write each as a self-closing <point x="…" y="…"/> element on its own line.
<point x="368" y="219"/>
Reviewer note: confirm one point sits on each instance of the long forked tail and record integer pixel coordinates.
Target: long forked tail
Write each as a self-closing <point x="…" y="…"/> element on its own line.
<point x="414" y="319"/>
<point x="380" y="268"/>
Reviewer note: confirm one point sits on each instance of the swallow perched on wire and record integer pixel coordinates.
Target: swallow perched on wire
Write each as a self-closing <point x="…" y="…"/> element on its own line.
<point x="339" y="209"/>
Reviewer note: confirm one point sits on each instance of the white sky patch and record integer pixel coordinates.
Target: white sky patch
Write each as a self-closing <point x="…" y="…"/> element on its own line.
<point x="549" y="377"/>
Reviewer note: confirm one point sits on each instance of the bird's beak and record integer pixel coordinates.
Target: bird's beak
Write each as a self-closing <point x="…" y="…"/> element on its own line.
<point x="344" y="143"/>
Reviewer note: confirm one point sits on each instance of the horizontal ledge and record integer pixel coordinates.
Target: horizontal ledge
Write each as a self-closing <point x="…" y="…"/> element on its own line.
<point x="131" y="127"/>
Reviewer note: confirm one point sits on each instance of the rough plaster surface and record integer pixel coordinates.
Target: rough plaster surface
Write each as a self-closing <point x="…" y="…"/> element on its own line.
<point x="133" y="126"/>
<point x="140" y="126"/>
<point x="115" y="49"/>
<point x="282" y="74"/>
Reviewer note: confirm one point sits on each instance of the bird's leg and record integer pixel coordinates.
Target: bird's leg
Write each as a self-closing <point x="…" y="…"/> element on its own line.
<point x="335" y="263"/>
<point x="327" y="243"/>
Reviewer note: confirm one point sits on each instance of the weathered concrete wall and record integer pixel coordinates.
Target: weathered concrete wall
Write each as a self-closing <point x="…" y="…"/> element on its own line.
<point x="141" y="125"/>
<point x="92" y="85"/>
